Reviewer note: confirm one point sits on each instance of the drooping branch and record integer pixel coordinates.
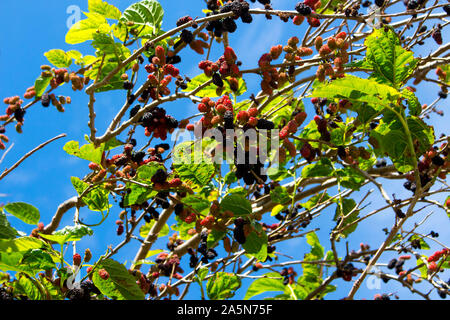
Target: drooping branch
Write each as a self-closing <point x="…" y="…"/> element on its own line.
<point x="28" y="154"/>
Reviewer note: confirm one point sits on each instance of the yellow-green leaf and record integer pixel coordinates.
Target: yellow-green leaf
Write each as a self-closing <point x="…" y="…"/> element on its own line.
<point x="84" y="30"/>
<point x="58" y="58"/>
<point x="105" y="9"/>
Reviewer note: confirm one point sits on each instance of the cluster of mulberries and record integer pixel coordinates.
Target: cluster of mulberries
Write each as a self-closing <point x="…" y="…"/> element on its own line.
<point x="159" y="124"/>
<point x="288" y="275"/>
<point x="151" y="214"/>
<point x="292" y="126"/>
<point x="249" y="172"/>
<point x="227" y="65"/>
<point x="438" y="255"/>
<point x="185" y="213"/>
<point x="207" y="253"/>
<point x="14" y="109"/>
<point x="160" y="75"/>
<point x="174" y="242"/>
<point x="347" y="272"/>
<point x="57" y="77"/>
<point x="84" y="292"/>
<point x="166" y="264"/>
<point x="215" y="114"/>
<point x="428" y="165"/>
<point x="397" y="265"/>
<point x="337" y="46"/>
<point x="351" y="154"/>
<point x="183" y="20"/>
<point x="271" y="78"/>
<point x="239" y="8"/>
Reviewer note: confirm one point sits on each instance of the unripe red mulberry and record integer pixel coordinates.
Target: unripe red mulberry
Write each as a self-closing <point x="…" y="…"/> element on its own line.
<point x="284" y="133"/>
<point x="300" y="118"/>
<point x="103" y="274"/>
<point x="276" y="51"/>
<point x="324" y="50"/>
<point x="76" y="259"/>
<point x="242" y="116"/>
<point x="318" y="42"/>
<point x="341" y="35"/>
<point x="292" y="126"/>
<point x="252" y="121"/>
<point x="313" y="22"/>
<point x="298" y="20"/>
<point x="332" y="43"/>
<point x="290" y="147"/>
<point x="175" y="183"/>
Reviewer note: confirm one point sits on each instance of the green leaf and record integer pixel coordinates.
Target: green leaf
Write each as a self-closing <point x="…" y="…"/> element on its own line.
<point x="86" y="152"/>
<point x="69" y="233"/>
<point x="6" y="231"/>
<point x="106" y="44"/>
<point x="110" y="62"/>
<point x="277" y="209"/>
<point x="37" y="260"/>
<point x="152" y="253"/>
<point x="12" y="253"/>
<point x="237" y="204"/>
<point x="284" y="105"/>
<point x="350" y="178"/>
<point x="202" y="273"/>
<point x="357" y="90"/>
<point x="316" y="248"/>
<point x="96" y="199"/>
<point x="238" y="190"/>
<point x="58" y="58"/>
<point x="144" y="13"/>
<point x="120" y="285"/>
<point x="214" y="237"/>
<point x="314" y="200"/>
<point x="263" y="285"/>
<point x="196" y="175"/>
<point x="145" y="229"/>
<point x="210" y="90"/>
<point x="105" y="9"/>
<point x="197" y="203"/>
<point x="393" y="140"/>
<point x="280" y="195"/>
<point x="256" y="243"/>
<point x="321" y="168"/>
<point x="84" y="30"/>
<point x="75" y="233"/>
<point x="21" y="244"/>
<point x="25" y="286"/>
<point x="24" y="211"/>
<point x="414" y="106"/>
<point x="41" y="84"/>
<point x="348" y="205"/>
<point x="138" y="193"/>
<point x="230" y="177"/>
<point x="222" y="285"/>
<point x="391" y="63"/>
<point x="74" y="54"/>
<point x="277" y="173"/>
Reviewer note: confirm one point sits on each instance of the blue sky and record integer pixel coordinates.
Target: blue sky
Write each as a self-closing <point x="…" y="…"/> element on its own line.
<point x="34" y="27"/>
